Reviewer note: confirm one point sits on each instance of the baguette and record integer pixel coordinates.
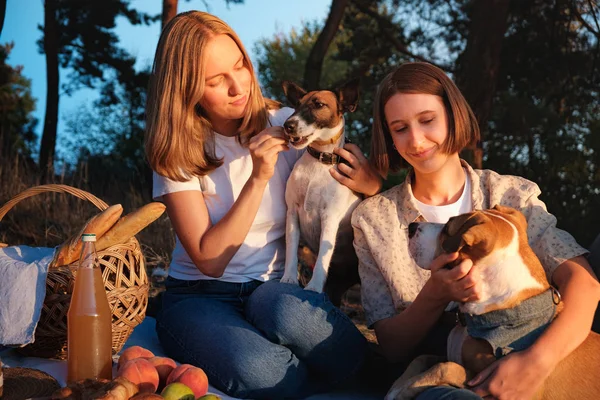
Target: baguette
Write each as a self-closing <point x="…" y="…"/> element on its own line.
<point x="130" y="225"/>
<point x="99" y="224"/>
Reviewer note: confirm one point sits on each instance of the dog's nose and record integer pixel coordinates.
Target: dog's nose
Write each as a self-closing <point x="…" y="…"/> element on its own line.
<point x="412" y="229"/>
<point x="290" y="126"/>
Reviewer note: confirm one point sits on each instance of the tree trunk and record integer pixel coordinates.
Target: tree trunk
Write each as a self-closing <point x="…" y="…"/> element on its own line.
<point x="169" y="10"/>
<point x="478" y="66"/>
<point x="314" y="63"/>
<point x="48" y="144"/>
<point x="2" y="14"/>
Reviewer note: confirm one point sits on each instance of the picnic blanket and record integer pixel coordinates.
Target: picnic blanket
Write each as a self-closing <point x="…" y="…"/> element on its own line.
<point x="23" y="272"/>
<point x="144" y="335"/>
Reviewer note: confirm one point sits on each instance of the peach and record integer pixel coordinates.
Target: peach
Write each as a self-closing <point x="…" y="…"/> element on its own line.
<point x="164" y="366"/>
<point x="141" y="372"/>
<point x="180" y="369"/>
<point x="191" y="376"/>
<point x="133" y="352"/>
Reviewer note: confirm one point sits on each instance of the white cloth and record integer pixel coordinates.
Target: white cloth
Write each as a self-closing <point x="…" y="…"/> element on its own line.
<point x="23" y="272"/>
<point x="261" y="255"/>
<point x="441" y="214"/>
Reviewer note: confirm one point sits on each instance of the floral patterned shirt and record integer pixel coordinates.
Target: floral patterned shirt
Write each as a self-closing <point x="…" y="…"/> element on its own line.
<point x="391" y="280"/>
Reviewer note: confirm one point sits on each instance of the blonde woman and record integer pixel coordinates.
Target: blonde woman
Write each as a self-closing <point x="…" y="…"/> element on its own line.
<point x="221" y="163"/>
<point x="422" y="120"/>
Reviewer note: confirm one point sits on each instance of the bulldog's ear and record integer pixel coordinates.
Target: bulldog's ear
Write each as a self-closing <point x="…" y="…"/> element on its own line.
<point x="504" y="209"/>
<point x="348" y="95"/>
<point x="465" y="230"/>
<point x="512" y="214"/>
<point x="293" y="92"/>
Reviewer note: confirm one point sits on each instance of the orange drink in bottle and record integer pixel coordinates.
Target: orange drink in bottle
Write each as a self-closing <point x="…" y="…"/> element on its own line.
<point x="89" y="320"/>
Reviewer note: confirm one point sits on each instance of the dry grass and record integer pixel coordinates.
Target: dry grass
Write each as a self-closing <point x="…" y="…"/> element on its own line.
<point x="48" y="219"/>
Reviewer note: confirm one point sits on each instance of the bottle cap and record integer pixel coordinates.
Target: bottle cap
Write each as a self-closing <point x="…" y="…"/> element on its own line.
<point x="88" y="237"/>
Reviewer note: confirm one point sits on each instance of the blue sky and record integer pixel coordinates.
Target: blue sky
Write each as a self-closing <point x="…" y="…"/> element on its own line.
<point x="253" y="20"/>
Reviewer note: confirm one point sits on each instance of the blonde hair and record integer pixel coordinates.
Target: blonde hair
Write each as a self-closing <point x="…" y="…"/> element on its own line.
<point x="179" y="140"/>
<point x="420" y="77"/>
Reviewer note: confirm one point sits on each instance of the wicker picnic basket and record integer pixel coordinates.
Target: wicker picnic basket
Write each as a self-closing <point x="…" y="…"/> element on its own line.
<point x="125" y="281"/>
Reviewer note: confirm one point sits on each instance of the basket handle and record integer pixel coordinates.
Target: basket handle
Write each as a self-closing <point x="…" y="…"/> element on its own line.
<point x="58" y="188"/>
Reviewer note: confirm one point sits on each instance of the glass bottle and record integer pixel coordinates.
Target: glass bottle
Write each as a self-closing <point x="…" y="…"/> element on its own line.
<point x="89" y="320"/>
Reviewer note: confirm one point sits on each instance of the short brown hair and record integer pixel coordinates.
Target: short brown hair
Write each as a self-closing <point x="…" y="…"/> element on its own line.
<point x="420" y="77"/>
<point x="179" y="139"/>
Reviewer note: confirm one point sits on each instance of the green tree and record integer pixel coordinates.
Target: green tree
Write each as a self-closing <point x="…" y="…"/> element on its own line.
<point x="530" y="70"/>
<point x="16" y="107"/>
<point x="357" y="50"/>
<point x="284" y="56"/>
<point x="546" y="119"/>
<point x="107" y="135"/>
<point x="78" y="35"/>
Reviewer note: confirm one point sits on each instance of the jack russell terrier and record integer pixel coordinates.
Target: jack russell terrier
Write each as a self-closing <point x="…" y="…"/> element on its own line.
<point x="517" y="305"/>
<point x="318" y="207"/>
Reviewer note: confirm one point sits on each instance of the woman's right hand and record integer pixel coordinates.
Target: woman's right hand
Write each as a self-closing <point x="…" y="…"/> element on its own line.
<point x="461" y="283"/>
<point x="264" y="149"/>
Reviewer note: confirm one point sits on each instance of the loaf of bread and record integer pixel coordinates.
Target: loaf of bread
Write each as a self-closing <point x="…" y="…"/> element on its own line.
<point x="99" y="224"/>
<point x="101" y="389"/>
<point x="130" y="225"/>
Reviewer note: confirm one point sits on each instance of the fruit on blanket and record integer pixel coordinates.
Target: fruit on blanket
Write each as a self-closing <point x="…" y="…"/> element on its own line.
<point x="209" y="396"/>
<point x="147" y="396"/>
<point x="176" y="373"/>
<point x="191" y="376"/>
<point x="133" y="352"/>
<point x="177" y="391"/>
<point x="142" y="373"/>
<point x="164" y="366"/>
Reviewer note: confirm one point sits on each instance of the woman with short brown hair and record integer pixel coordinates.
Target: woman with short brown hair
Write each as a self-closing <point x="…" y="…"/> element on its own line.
<point x="422" y="119"/>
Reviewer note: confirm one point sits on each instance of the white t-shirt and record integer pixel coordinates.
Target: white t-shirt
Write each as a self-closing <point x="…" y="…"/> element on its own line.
<point x="261" y="256"/>
<point x="441" y="214"/>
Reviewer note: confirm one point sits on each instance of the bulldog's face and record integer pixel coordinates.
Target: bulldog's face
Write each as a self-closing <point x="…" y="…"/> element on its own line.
<point x="474" y="235"/>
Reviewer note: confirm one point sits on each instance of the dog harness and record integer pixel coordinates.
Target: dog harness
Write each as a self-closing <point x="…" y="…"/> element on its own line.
<point x="516" y="328"/>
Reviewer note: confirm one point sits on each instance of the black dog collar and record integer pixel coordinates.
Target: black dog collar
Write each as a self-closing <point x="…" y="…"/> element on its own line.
<point x="327" y="158"/>
<point x="323" y="157"/>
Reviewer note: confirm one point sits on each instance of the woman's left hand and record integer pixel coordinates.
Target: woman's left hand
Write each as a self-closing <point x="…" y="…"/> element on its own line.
<point x="359" y="176"/>
<point x="518" y="375"/>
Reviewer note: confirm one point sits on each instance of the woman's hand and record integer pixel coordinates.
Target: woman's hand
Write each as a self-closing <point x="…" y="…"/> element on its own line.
<point x="264" y="149"/>
<point x="517" y="376"/>
<point x="359" y="175"/>
<point x="461" y="283"/>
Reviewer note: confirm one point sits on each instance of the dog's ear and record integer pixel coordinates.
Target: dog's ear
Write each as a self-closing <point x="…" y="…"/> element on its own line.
<point x="466" y="230"/>
<point x="504" y="209"/>
<point x="513" y="215"/>
<point x="293" y="92"/>
<point x="348" y="95"/>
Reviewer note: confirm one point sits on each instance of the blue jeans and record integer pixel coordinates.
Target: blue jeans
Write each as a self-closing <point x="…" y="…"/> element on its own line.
<point x="447" y="393"/>
<point x="259" y="340"/>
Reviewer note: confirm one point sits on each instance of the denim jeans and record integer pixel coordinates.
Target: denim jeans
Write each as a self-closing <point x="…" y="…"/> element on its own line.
<point x="259" y="340"/>
<point x="447" y="393"/>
